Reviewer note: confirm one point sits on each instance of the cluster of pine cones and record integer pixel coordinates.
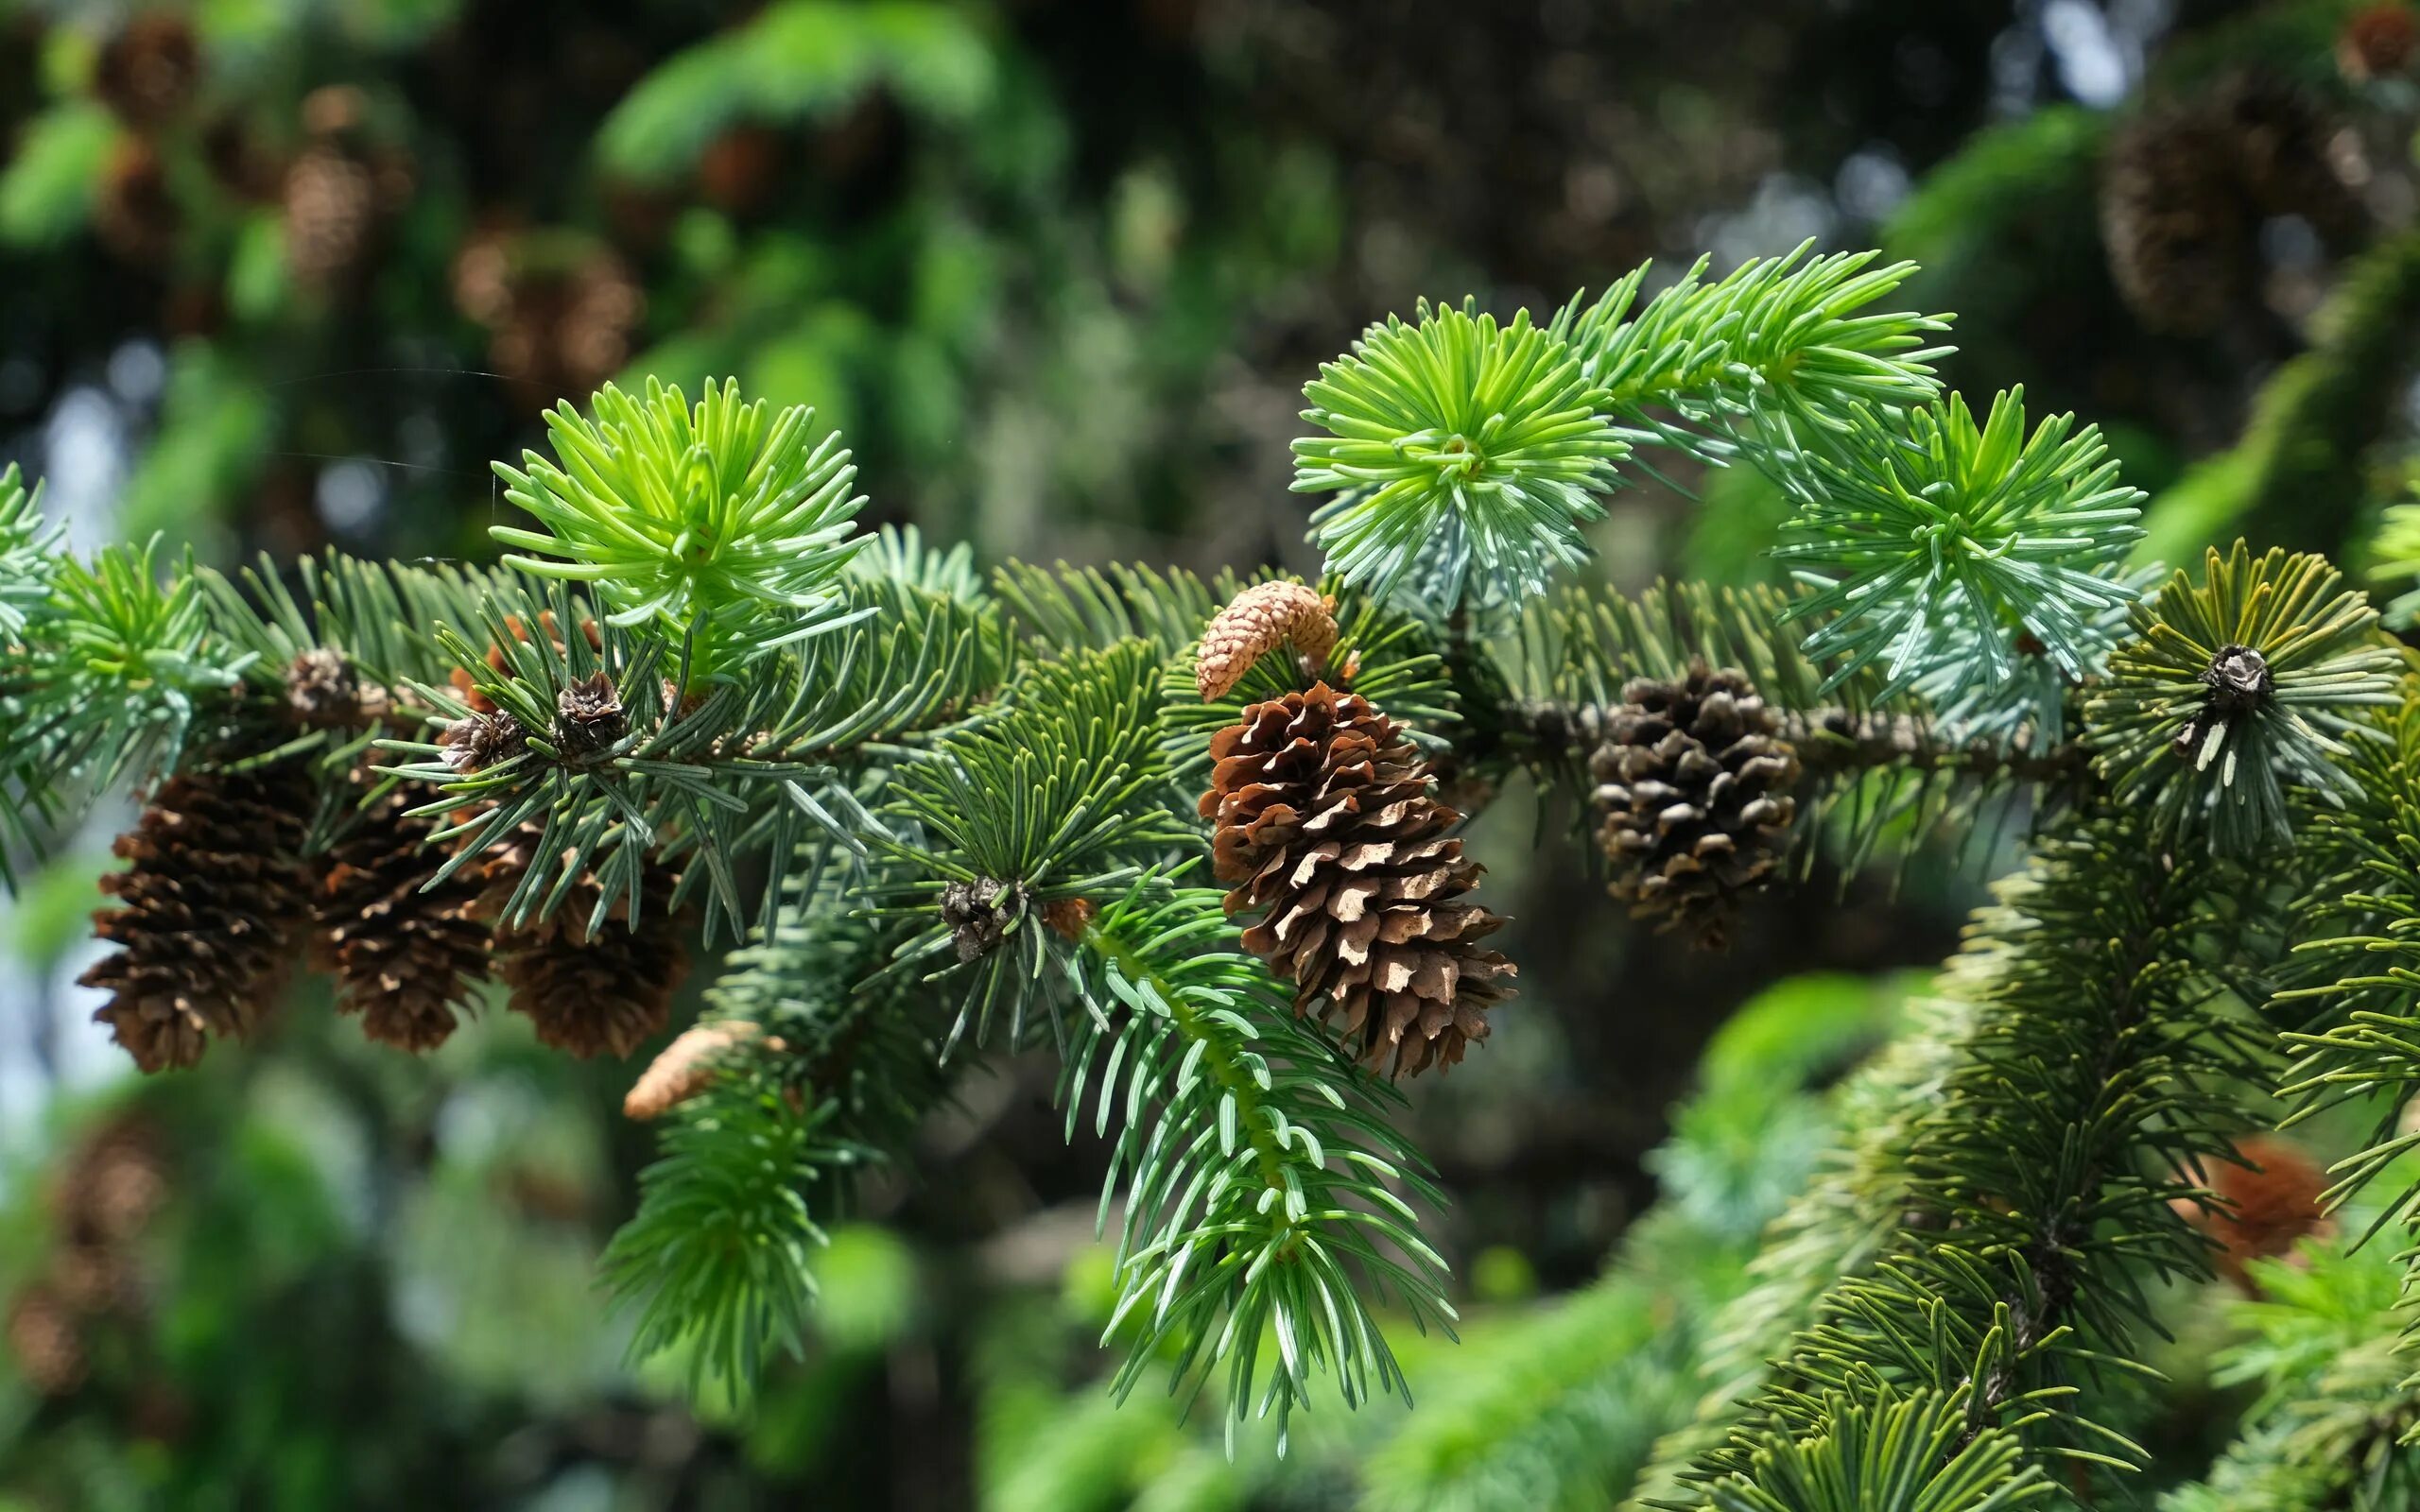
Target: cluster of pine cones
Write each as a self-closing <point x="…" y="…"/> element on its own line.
<point x="561" y="309"/>
<point x="219" y="899"/>
<point x="339" y="190"/>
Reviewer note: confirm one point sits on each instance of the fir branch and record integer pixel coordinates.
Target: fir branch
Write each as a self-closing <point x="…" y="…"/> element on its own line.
<point x="2098" y="1069"/>
<point x="1262" y="1214"/>
<point x="753" y="1168"/>
<point x="2351" y="991"/>
<point x="1788" y="332"/>
<point x="1878" y="1452"/>
<point x="1910" y="522"/>
<point x="2338" y="1415"/>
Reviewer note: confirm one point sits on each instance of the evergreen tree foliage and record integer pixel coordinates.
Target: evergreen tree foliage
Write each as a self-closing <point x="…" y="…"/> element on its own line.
<point x="943" y="817"/>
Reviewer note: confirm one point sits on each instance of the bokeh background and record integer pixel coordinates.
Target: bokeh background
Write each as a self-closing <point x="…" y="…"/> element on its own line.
<point x="284" y="275"/>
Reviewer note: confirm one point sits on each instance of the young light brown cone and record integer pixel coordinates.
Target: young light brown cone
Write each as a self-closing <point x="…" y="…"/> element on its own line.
<point x="1262" y="618"/>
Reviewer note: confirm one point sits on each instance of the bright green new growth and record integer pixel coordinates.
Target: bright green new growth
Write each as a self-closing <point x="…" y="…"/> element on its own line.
<point x="2261" y="675"/>
<point x="692" y="517"/>
<point x="1462" y="449"/>
<point x="1921" y="524"/>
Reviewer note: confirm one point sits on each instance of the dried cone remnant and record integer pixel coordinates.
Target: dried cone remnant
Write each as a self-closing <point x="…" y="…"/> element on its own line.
<point x="978" y="913"/>
<point x="1262" y="618"/>
<point x="589" y="718"/>
<point x="324" y="692"/>
<point x="206" y="915"/>
<point x="481" y="741"/>
<point x="2261" y="1212"/>
<point x="1326" y="828"/>
<point x="686" y="1066"/>
<point x="1694" y="797"/>
<point x="405" y="959"/>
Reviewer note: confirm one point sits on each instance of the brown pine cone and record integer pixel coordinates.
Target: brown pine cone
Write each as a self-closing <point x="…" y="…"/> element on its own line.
<point x="146" y="74"/>
<point x="2378" y="41"/>
<point x="606" y="992"/>
<point x="588" y="993"/>
<point x="2176" y="223"/>
<point x="115" y="1183"/>
<point x="135" y="215"/>
<point x="1262" y="618"/>
<point x="2262" y="1212"/>
<point x="1326" y="828"/>
<point x="325" y="693"/>
<point x="330" y="214"/>
<point x="2284" y="142"/>
<point x="406" y="958"/>
<point x="1694" y="797"/>
<point x="208" y="914"/>
<point x="45" y="1341"/>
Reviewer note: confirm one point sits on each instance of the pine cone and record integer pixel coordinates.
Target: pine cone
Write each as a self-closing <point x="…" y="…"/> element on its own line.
<point x="686" y="1066"/>
<point x="2261" y="1212"/>
<point x="1326" y="828"/>
<point x="146" y="74"/>
<point x="331" y="212"/>
<point x="44" y="1338"/>
<point x="606" y="992"/>
<point x="405" y="959"/>
<point x="2175" y="221"/>
<point x="587" y="992"/>
<point x="207" y="914"/>
<point x="2283" y="144"/>
<point x="1262" y="618"/>
<point x="135" y="215"/>
<point x="1694" y="798"/>
<point x="115" y="1184"/>
<point x="2378" y="41"/>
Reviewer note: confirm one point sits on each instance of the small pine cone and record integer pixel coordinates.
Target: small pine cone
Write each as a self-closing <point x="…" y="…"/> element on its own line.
<point x="135" y="214"/>
<point x="2174" y="220"/>
<point x="1694" y="797"/>
<point x="115" y="1184"/>
<point x="589" y="718"/>
<point x="1326" y="828"/>
<point x="325" y="693"/>
<point x="207" y="914"/>
<point x="405" y="960"/>
<point x="45" y="1341"/>
<point x="482" y="741"/>
<point x="2378" y="41"/>
<point x="147" y="73"/>
<point x="1262" y="618"/>
<point x="330" y="214"/>
<point x="686" y="1066"/>
<point x="2261" y="1212"/>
